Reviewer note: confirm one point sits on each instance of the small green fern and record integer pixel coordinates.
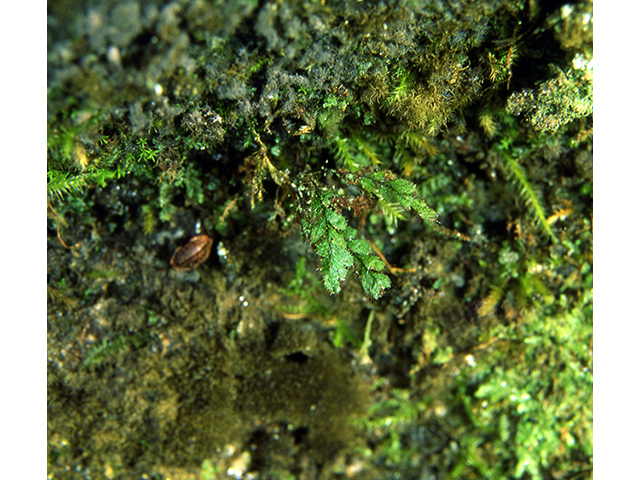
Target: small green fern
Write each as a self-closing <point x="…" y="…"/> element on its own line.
<point x="342" y="152"/>
<point x="335" y="241"/>
<point x="531" y="197"/>
<point x="368" y="151"/>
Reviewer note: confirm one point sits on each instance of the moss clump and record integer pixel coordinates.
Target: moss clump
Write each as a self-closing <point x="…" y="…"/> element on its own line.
<point x="558" y="101"/>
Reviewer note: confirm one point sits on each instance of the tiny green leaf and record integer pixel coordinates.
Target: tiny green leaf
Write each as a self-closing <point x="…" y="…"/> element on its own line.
<point x="360" y="247"/>
<point x="372" y="262"/>
<point x="374" y="283"/>
<point x="335" y="219"/>
<point x="318" y="231"/>
<point x="403" y="187"/>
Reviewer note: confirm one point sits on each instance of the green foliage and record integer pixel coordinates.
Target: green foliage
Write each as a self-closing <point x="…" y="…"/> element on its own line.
<point x="537" y="399"/>
<point x="404" y="85"/>
<point x="392" y="191"/>
<point x="192" y="182"/>
<point x="74" y="166"/>
<point x="165" y="201"/>
<point x="111" y="347"/>
<point x="335" y="241"/>
<point x="529" y="399"/>
<point x="369" y="152"/>
<point x="390" y="418"/>
<point x="360" y="150"/>
<point x="530" y="196"/>
<point x="209" y="471"/>
<point x="224" y="112"/>
<point x="146" y="153"/>
<point x="60" y="183"/>
<point x="338" y="247"/>
<point x="509" y="155"/>
<point x="342" y="152"/>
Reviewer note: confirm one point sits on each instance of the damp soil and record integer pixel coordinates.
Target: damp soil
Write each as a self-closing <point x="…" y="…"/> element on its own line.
<point x="153" y="371"/>
<point x="218" y="371"/>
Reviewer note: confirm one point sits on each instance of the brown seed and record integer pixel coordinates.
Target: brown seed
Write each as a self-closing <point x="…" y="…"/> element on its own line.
<point x="193" y="253"/>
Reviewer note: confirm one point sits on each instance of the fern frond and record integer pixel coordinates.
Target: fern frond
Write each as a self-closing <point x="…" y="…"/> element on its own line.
<point x="112" y="347"/>
<point x="417" y="141"/>
<point x="368" y="151"/>
<point x="108" y="348"/>
<point x="335" y="241"/>
<point x="340" y="250"/>
<point x="394" y="191"/>
<point x="488" y="124"/>
<point x="404" y="160"/>
<point x="529" y="194"/>
<point x="148" y="219"/>
<point x="392" y="212"/>
<point x="343" y="154"/>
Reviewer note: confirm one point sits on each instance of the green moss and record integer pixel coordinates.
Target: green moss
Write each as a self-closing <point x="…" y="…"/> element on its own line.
<point x="541" y="419"/>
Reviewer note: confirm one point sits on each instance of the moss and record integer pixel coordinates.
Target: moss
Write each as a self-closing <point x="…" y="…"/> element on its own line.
<point x="264" y="124"/>
<point x="557" y="102"/>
